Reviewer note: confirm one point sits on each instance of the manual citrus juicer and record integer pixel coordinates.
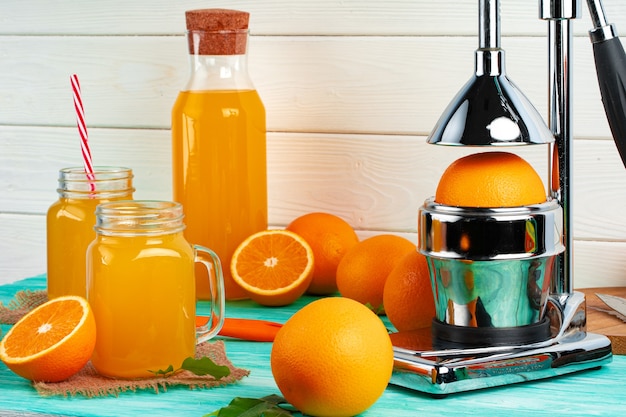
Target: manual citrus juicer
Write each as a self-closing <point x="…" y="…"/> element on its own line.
<point x="506" y="310"/>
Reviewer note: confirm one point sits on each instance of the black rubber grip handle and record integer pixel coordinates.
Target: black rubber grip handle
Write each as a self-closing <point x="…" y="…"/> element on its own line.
<point x="611" y="69"/>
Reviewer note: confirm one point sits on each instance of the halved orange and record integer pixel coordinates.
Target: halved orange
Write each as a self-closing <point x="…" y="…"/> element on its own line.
<point x="274" y="267"/>
<point x="52" y="342"/>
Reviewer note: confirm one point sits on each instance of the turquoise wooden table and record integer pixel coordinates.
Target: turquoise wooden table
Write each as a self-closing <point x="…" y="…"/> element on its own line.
<point x="600" y="392"/>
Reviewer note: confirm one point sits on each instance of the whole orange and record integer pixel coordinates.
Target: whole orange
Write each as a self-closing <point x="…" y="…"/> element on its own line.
<point x="408" y="296"/>
<point x="490" y="179"/>
<point x="363" y="271"/>
<point x="333" y="357"/>
<point x="330" y="237"/>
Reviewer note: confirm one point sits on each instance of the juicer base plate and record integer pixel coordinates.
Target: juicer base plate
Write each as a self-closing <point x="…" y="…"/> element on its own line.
<point x="442" y="376"/>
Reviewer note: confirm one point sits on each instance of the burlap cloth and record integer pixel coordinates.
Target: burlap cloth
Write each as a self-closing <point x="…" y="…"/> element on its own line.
<point x="23" y="302"/>
<point x="89" y="383"/>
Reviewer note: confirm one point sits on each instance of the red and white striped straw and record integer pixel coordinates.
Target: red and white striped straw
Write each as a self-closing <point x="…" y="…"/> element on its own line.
<point x="82" y="129"/>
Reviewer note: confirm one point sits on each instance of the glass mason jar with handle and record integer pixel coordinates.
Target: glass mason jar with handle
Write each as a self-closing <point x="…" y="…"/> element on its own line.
<point x="141" y="287"/>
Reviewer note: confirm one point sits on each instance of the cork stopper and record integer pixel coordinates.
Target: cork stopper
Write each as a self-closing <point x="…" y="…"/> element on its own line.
<point x="217" y="31"/>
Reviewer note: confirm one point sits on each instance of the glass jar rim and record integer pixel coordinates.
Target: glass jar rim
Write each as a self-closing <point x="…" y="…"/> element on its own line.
<point x="100" y="173"/>
<point x="105" y="182"/>
<point x="139" y="217"/>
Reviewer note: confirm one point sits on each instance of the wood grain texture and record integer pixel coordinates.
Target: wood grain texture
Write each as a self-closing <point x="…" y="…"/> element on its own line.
<point x="374" y="84"/>
<point x="22" y="246"/>
<point x="23" y="249"/>
<point x="351" y="89"/>
<point x="604" y="323"/>
<point x="375" y="182"/>
<point x="271" y="17"/>
<point x="590" y="393"/>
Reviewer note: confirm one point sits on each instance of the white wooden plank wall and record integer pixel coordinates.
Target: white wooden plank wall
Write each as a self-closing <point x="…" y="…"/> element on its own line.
<point x="351" y="89"/>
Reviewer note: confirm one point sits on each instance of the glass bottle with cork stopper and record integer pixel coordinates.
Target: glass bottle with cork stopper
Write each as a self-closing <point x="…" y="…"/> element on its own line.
<point x="219" y="140"/>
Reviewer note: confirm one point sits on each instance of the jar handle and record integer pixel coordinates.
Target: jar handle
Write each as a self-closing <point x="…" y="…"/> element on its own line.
<point x="216" y="284"/>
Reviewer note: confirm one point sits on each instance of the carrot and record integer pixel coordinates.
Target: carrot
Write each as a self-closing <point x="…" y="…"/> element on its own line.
<point x="245" y="329"/>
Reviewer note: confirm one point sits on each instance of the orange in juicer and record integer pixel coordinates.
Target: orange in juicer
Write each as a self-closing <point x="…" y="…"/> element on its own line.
<point x="490" y="179"/>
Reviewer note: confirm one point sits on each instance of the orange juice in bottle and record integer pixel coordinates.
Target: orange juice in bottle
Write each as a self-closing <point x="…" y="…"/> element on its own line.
<point x="141" y="287"/>
<point x="218" y="140"/>
<point x="71" y="219"/>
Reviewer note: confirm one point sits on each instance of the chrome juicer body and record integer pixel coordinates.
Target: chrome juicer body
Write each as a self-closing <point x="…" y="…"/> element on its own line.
<point x="502" y="277"/>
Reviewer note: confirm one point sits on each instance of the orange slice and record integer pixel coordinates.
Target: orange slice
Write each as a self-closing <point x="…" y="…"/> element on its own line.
<point x="274" y="267"/>
<point x="52" y="342"/>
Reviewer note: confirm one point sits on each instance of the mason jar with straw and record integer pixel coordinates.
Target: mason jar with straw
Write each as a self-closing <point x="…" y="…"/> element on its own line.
<point x="71" y="219"/>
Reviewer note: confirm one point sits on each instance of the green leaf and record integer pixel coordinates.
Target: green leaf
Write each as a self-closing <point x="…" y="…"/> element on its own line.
<point x="205" y="366"/>
<point x="253" y="407"/>
<point x="275" y="399"/>
<point x="200" y="367"/>
<point x="168" y="371"/>
<point x="379" y="311"/>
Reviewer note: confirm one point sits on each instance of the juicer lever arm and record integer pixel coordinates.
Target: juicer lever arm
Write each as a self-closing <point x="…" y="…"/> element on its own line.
<point x="610" y="62"/>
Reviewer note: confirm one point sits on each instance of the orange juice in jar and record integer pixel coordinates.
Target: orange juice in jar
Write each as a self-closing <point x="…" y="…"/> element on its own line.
<point x="219" y="141"/>
<point x="141" y="287"/>
<point x="71" y="219"/>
